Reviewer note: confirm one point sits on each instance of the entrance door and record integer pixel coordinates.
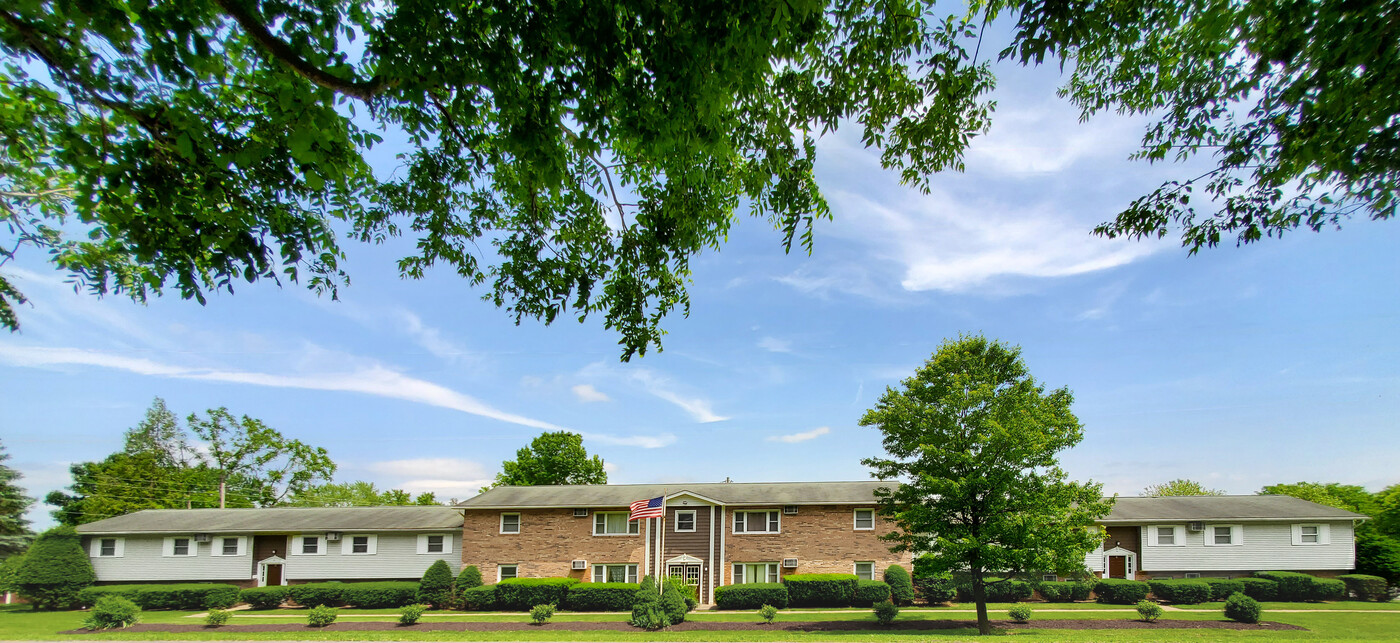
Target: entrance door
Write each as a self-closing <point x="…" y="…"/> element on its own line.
<point x="274" y="575"/>
<point x="688" y="574"/>
<point x="1117" y="566"/>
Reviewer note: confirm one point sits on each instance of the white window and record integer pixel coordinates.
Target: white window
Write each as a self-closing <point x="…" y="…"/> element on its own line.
<point x="615" y="523"/>
<point x="1224" y="535"/>
<point x="108" y="547"/>
<point x="180" y="546"/>
<point x="1191" y="575"/>
<point x="434" y="544"/>
<point x="1166" y="536"/>
<point x="756" y="522"/>
<point x="308" y="545"/>
<point x="510" y="523"/>
<point x="1311" y="534"/>
<point x="1049" y="578"/>
<point x="865" y="571"/>
<point x="228" y="546"/>
<point x="622" y="573"/>
<point x="358" y="544"/>
<point x="685" y="520"/>
<point x="506" y="571"/>
<point x="865" y="519"/>
<point x="755" y="573"/>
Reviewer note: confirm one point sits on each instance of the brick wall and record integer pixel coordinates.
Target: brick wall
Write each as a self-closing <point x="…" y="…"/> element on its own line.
<point x="822" y="539"/>
<point x="548" y="542"/>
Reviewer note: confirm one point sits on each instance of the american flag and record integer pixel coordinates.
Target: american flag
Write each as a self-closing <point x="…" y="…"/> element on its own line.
<point x="654" y="508"/>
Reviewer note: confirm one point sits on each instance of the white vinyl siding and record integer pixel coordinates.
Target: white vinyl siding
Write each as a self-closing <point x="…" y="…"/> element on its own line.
<point x="757" y="522"/>
<point x="615" y="523"/>
<point x="621" y="573"/>
<point x="865" y="519"/>
<point x="1264" y="546"/>
<point x="143" y="559"/>
<point x="228" y="546"/>
<point x="755" y="573"/>
<point x="395" y="557"/>
<point x="434" y="543"/>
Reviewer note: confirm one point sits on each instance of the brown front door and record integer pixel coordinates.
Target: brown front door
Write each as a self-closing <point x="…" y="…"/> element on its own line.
<point x="274" y="574"/>
<point x="1117" y="567"/>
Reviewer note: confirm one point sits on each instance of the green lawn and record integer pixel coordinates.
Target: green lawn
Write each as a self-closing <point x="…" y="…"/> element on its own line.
<point x="20" y="623"/>
<point x="1339" y="605"/>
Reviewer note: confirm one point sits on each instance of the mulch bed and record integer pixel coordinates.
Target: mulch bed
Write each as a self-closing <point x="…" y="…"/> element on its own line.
<point x="715" y="626"/>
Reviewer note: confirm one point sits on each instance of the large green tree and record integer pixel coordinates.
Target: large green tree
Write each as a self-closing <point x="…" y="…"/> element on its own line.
<point x="356" y="494"/>
<point x="1180" y="487"/>
<point x="974" y="441"/>
<point x="552" y="458"/>
<point x="574" y="156"/>
<point x="1377" y="539"/>
<point x="14" y="503"/>
<point x="245" y="447"/>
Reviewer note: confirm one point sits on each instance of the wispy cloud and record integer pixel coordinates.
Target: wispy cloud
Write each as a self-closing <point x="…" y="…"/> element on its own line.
<point x="586" y="393"/>
<point x="775" y="345"/>
<point x="447" y="468"/>
<point x="804" y="436"/>
<point x="430" y="338"/>
<point x="657" y="385"/>
<point x="643" y="441"/>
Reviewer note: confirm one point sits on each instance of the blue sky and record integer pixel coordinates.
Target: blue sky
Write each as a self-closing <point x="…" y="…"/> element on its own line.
<point x="1238" y="367"/>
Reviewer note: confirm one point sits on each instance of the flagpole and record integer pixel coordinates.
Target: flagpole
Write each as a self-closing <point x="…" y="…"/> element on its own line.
<point x="661" y="554"/>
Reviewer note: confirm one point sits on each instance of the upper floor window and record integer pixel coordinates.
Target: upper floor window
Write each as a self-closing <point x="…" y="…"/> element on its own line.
<point x="1167" y="535"/>
<point x="308" y="546"/>
<point x="108" y="548"/>
<point x="615" y="523"/>
<point x="1315" y="534"/>
<point x="1223" y="535"/>
<point x="510" y="523"/>
<point x="228" y="546"/>
<point x="756" y="522"/>
<point x="865" y="519"/>
<point x="865" y="571"/>
<point x="685" y="520"/>
<point x="363" y="544"/>
<point x="180" y="546"/>
<point x="434" y="544"/>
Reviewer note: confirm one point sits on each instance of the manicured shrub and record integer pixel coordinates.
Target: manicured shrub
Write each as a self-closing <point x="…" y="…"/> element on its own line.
<point x="998" y="590"/>
<point x="216" y="618"/>
<point x="264" y="598"/>
<point x="1020" y="613"/>
<point x="54" y="570"/>
<point x="1064" y="591"/>
<point x="321" y="616"/>
<point x="435" y="588"/>
<point x="673" y="602"/>
<point x="901" y="585"/>
<point x="935" y="589"/>
<point x="1327" y="589"/>
<point x="316" y="594"/>
<point x="927" y="566"/>
<point x="112" y="611"/>
<point x="1292" y="586"/>
<point x="481" y="598"/>
<point x="601" y="597"/>
<point x="1149" y="611"/>
<point x="870" y="592"/>
<point x="176" y="596"/>
<point x="751" y="596"/>
<point x="469" y="578"/>
<point x="521" y="594"/>
<point x="647" y="610"/>
<point x="1222" y="588"/>
<point x="820" y="590"/>
<point x="886" y="611"/>
<point x="540" y="614"/>
<point x="1120" y="591"/>
<point x="1259" y="589"/>
<point x="1180" y="592"/>
<point x="409" y="614"/>
<point x="1366" y="587"/>
<point x="768" y="613"/>
<point x="1242" y="608"/>
<point x="380" y="594"/>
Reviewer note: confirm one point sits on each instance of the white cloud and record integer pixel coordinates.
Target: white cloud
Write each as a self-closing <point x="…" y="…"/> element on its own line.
<point x="643" y="441"/>
<point x="1048" y="138"/>
<point x="775" y="345"/>
<point x="430" y="338"/>
<point x="609" y="467"/>
<point x="445" y="468"/>
<point x="586" y="393"/>
<point x="801" y="437"/>
<point x="659" y="386"/>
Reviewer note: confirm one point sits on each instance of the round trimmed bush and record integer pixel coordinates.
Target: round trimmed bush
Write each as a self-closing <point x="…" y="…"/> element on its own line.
<point x="409" y="614"/>
<point x="1121" y="591"/>
<point x="1242" y="608"/>
<point x="885" y="612"/>
<point x="54" y="570"/>
<point x="1149" y="611"/>
<point x="901" y="585"/>
<point x="112" y="611"/>
<point x="321" y="616"/>
<point x="435" y="588"/>
<point x="469" y="578"/>
<point x="1020" y="613"/>
<point x="540" y="614"/>
<point x="216" y="618"/>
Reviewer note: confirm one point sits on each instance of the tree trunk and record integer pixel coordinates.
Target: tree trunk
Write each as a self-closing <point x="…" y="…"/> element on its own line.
<point x="979" y="594"/>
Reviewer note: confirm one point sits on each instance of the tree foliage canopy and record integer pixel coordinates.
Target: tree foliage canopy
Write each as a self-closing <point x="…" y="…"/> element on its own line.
<point x="1180" y="487"/>
<point x="14" y="527"/>
<point x="575" y="155"/>
<point x="552" y="458"/>
<point x="357" y="494"/>
<point x="973" y="439"/>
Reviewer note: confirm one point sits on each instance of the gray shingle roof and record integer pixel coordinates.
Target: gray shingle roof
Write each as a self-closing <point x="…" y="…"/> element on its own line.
<point x="729" y="493"/>
<point x="1235" y="508"/>
<point x="278" y="520"/>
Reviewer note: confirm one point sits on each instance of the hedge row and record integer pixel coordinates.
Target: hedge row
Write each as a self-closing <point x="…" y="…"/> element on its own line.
<point x="601" y="597"/>
<point x="520" y="594"/>
<point x="1295" y="586"/>
<point x="998" y="590"/>
<point x="264" y="598"/>
<point x="751" y="596"/>
<point x="1366" y="587"/>
<point x="1064" y="591"/>
<point x="1120" y="591"/>
<point x="821" y="590"/>
<point x="480" y="598"/>
<point x="1222" y="588"/>
<point x="870" y="592"/>
<point x="370" y="595"/>
<point x="1183" y="592"/>
<point x="1259" y="589"/>
<point x="935" y="589"/>
<point x="182" y="596"/>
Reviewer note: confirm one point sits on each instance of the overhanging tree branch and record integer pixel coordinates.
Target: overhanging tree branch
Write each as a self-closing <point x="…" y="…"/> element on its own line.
<point x="282" y="52"/>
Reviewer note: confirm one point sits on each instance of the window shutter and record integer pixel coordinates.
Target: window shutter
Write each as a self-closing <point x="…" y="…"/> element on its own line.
<point x="1297" y="534"/>
<point x="1152" y="536"/>
<point x="1324" y="535"/>
<point x="1236" y="534"/>
<point x="422" y="543"/>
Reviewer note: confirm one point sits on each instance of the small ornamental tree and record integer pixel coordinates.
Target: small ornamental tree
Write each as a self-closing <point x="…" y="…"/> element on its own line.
<point x="901" y="585"/>
<point x="54" y="570"/>
<point x="436" y="585"/>
<point x="469" y="578"/>
<point x="976" y="438"/>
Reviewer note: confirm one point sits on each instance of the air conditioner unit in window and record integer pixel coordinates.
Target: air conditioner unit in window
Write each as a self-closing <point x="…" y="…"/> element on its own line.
<point x="790" y="563"/>
<point x="790" y="510"/>
<point x="201" y="538"/>
<point x="580" y="564"/>
<point x="1195" y="526"/>
<point x="580" y="513"/>
<point x="332" y="536"/>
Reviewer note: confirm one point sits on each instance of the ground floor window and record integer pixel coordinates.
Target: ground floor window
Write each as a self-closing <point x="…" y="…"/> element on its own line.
<point x="615" y="573"/>
<point x="865" y="571"/>
<point x="506" y="571"/>
<point x="755" y="573"/>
